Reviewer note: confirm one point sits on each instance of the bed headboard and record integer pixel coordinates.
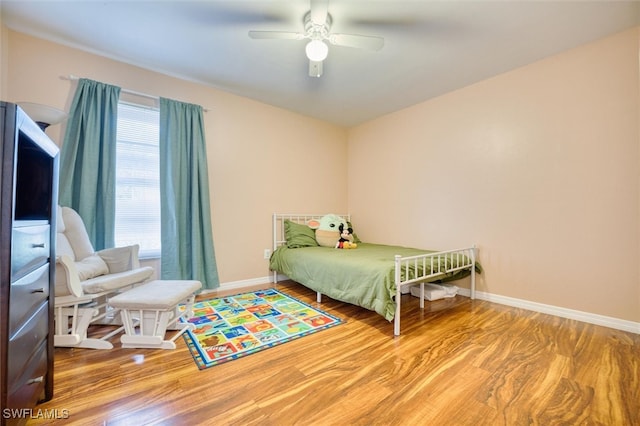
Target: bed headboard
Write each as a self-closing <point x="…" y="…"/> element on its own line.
<point x="278" y="224"/>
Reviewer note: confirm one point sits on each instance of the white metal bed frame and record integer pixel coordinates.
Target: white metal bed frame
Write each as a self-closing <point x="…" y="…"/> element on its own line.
<point x="464" y="258"/>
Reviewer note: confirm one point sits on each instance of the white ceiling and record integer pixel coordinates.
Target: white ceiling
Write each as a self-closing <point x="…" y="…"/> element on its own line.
<point x="431" y="47"/>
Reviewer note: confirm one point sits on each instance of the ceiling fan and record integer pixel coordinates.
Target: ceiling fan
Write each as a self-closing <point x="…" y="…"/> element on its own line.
<point x="317" y="29"/>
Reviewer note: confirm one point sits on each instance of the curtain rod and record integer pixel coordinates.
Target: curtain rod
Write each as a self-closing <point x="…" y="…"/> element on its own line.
<point x="72" y="77"/>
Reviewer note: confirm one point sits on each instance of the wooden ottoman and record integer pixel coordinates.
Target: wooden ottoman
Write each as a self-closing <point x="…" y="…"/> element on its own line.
<point x="151" y="309"/>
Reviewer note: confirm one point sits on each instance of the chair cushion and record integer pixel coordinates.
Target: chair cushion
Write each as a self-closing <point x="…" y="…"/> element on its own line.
<point x="120" y="259"/>
<point x="91" y="267"/>
<point x="160" y="294"/>
<point x="76" y="234"/>
<point x="63" y="248"/>
<point x="112" y="282"/>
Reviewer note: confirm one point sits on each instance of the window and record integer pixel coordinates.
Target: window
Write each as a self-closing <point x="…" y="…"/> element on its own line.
<point x="138" y="179"/>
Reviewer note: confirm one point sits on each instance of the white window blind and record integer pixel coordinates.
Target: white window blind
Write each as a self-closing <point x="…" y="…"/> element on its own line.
<point x="138" y="179"/>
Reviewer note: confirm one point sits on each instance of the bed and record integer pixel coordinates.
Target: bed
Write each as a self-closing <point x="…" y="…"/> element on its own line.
<point x="371" y="276"/>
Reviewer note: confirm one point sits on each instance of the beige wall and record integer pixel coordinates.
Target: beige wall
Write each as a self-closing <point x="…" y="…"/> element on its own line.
<point x="540" y="167"/>
<point x="261" y="158"/>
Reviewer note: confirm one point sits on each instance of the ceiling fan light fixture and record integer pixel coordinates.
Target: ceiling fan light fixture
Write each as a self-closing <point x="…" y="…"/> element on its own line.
<point x="317" y="50"/>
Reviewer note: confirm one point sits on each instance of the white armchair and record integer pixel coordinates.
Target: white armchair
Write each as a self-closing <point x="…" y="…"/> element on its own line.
<point x="84" y="281"/>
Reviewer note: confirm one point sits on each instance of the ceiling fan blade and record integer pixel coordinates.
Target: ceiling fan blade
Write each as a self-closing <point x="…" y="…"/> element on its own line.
<point x="319" y="11"/>
<point x="281" y="35"/>
<point x="315" y="68"/>
<point x="358" y="41"/>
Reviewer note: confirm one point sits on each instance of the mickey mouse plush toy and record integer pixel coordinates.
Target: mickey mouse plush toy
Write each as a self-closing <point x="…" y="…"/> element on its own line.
<point x="346" y="238"/>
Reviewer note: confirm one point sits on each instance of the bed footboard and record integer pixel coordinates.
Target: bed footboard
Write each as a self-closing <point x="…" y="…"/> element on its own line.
<point x="428" y="267"/>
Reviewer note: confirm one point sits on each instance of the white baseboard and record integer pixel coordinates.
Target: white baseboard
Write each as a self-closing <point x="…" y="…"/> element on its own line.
<point x="241" y="285"/>
<point x="605" y="321"/>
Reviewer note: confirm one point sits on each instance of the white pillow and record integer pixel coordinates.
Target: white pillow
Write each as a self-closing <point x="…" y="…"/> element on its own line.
<point x="91" y="267"/>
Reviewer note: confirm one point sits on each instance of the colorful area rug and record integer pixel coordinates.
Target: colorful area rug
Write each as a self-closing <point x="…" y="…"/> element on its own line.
<point x="231" y="327"/>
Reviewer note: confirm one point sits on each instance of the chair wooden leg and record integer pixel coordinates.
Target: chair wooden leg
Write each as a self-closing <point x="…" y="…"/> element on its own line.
<point x="75" y="335"/>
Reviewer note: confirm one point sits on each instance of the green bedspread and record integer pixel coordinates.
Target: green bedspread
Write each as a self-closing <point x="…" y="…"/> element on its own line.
<point x="363" y="276"/>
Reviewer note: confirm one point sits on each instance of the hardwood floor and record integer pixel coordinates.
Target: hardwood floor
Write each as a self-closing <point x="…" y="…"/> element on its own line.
<point x="458" y="362"/>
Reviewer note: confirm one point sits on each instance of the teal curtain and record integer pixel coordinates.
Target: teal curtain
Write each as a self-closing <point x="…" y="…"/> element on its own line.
<point x="187" y="237"/>
<point x="88" y="159"/>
